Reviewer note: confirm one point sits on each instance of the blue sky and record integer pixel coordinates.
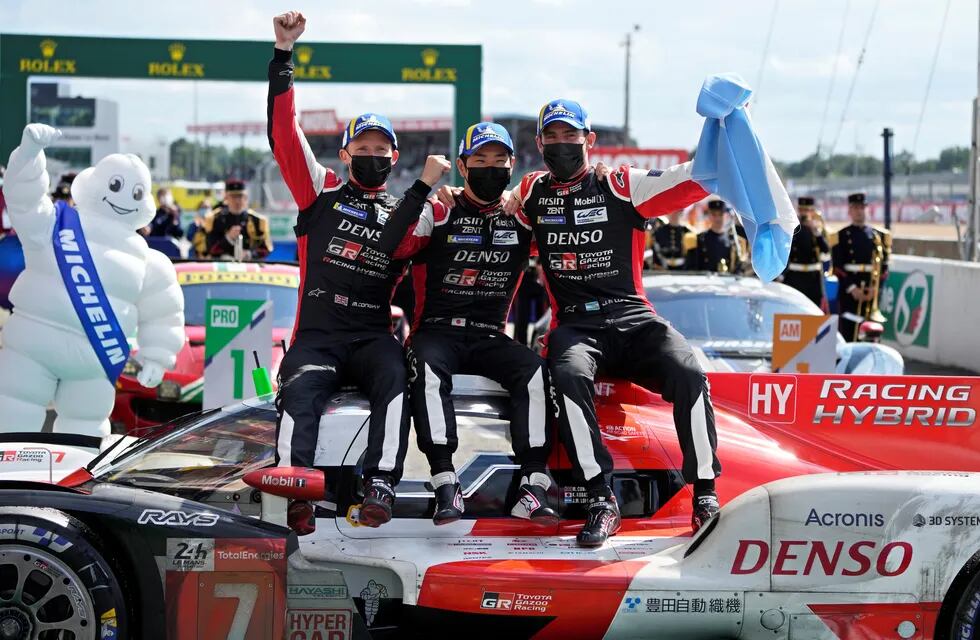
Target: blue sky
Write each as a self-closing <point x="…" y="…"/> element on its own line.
<point x="535" y="50"/>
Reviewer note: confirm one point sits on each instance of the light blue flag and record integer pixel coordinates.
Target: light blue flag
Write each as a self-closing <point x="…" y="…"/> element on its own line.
<point x="732" y="163"/>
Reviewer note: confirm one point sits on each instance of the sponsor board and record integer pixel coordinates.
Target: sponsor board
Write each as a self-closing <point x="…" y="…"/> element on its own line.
<point x="804" y="343"/>
<point x="906" y="301"/>
<point x="234" y="331"/>
<point x="242" y="277"/>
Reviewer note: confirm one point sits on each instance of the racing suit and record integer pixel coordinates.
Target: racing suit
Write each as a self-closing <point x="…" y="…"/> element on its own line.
<point x="467" y="264"/>
<point x="343" y="321"/>
<point x="590" y="235"/>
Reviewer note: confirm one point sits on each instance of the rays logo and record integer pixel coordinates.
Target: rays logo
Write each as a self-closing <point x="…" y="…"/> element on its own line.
<point x="631" y="604"/>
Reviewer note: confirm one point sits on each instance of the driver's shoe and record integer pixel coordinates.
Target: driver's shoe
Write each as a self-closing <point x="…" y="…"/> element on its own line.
<point x="300" y="517"/>
<point x="706" y="505"/>
<point x="379" y="496"/>
<point x="532" y="501"/>
<point x="449" y="503"/>
<point x="602" y="521"/>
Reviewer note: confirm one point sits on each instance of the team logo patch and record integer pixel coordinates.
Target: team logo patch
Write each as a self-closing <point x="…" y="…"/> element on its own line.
<point x="504" y="237"/>
<point x="551" y="219"/>
<point x="467" y="239"/>
<point x="591" y="216"/>
<point x="351" y="211"/>
<point x="344" y="248"/>
<point x="383" y="217"/>
<point x="462" y="277"/>
<point x="563" y="261"/>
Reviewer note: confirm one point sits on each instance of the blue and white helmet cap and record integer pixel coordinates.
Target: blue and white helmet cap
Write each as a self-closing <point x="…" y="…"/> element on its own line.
<point x="480" y="134"/>
<point x="567" y="111"/>
<point x="367" y="121"/>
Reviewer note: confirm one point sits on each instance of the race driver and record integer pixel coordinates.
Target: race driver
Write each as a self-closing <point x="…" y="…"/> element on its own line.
<point x="590" y="237"/>
<point x="468" y="259"/>
<point x="343" y="322"/>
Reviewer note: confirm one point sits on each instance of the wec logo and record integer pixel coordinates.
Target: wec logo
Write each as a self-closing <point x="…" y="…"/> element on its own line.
<point x="177" y="518"/>
<point x="504" y="237"/>
<point x="591" y="216"/>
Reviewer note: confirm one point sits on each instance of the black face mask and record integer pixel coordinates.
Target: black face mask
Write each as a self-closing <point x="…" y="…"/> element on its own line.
<point x="564" y="159"/>
<point x="487" y="183"/>
<point x="370" y="171"/>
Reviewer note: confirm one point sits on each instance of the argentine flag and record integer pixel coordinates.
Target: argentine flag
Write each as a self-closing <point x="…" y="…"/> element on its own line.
<point x="732" y="163"/>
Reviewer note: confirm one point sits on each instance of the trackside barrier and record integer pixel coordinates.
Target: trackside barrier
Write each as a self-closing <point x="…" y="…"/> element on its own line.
<point x="933" y="310"/>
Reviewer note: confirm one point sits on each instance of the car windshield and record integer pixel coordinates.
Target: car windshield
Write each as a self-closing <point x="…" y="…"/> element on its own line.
<point x="283" y="300"/>
<point x="711" y="318"/>
<point x="211" y="454"/>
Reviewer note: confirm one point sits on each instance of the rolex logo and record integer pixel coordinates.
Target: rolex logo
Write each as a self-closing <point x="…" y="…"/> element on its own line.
<point x="430" y="57"/>
<point x="176" y="51"/>
<point x="304" y="54"/>
<point x="48" y="47"/>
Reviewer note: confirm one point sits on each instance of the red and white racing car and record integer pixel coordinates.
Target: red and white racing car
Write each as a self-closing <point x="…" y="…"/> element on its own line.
<point x="849" y="512"/>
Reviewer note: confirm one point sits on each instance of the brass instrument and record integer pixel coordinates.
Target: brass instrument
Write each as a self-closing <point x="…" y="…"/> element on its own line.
<point x="723" y="266"/>
<point x="868" y="309"/>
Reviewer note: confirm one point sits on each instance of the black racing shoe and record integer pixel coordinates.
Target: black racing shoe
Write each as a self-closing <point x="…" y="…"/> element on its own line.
<point x="532" y="504"/>
<point x="449" y="503"/>
<point x="705" y="507"/>
<point x="379" y="495"/>
<point x="602" y="521"/>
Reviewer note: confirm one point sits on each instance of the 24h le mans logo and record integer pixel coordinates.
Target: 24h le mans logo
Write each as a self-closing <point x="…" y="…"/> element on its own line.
<point x="909" y="311"/>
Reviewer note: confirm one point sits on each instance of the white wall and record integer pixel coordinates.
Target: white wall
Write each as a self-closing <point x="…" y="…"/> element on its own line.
<point x="948" y="331"/>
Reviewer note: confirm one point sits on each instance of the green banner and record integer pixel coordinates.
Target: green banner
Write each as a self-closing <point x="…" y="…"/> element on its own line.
<point x="234" y="331"/>
<point x="907" y="303"/>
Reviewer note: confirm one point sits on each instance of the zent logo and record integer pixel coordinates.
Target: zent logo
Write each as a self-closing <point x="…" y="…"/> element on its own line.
<point x="773" y="398"/>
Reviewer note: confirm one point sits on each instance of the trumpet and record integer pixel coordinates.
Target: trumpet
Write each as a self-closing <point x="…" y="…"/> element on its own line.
<point x="868" y="309"/>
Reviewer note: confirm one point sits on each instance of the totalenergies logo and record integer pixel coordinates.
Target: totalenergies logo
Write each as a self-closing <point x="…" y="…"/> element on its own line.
<point x="306" y="71"/>
<point x="429" y="72"/>
<point x="47" y="63"/>
<point x="176" y="67"/>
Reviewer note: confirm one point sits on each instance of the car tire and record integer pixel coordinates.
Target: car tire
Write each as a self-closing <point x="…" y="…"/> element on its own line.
<point x="52" y="559"/>
<point x="966" y="616"/>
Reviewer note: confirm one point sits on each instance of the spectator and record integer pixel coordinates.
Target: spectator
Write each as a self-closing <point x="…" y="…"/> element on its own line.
<point x="204" y="207"/>
<point x="232" y="224"/>
<point x="63" y="190"/>
<point x="166" y="223"/>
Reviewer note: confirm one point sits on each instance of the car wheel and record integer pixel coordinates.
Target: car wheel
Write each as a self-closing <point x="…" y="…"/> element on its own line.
<point x="54" y="583"/>
<point x="966" y="617"/>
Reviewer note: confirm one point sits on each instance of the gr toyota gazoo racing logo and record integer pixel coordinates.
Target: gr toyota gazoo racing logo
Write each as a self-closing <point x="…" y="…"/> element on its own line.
<point x="344" y="248"/>
<point x="516" y="601"/>
<point x="462" y="277"/>
<point x="563" y="261"/>
<point x="917" y="402"/>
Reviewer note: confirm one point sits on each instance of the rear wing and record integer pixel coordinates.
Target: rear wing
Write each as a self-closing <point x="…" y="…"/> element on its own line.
<point x="861" y="422"/>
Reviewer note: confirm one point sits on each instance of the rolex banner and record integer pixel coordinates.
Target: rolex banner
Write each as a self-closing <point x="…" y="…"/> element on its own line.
<point x="235" y="330"/>
<point x="804" y="344"/>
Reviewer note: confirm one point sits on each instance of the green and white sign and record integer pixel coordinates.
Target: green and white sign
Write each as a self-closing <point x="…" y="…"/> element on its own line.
<point x="234" y="330"/>
<point x="907" y="303"/>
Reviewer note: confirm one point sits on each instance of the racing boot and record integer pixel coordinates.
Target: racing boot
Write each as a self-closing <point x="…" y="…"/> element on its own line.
<point x="300" y="517"/>
<point x="379" y="496"/>
<point x="532" y="500"/>
<point x="705" y="507"/>
<point x="602" y="521"/>
<point x="449" y="498"/>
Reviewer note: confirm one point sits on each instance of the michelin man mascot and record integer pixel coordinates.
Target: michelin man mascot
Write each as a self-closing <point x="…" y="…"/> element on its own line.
<point x="90" y="282"/>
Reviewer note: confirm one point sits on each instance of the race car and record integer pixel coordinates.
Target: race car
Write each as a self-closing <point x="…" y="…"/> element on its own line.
<point x="182" y="389"/>
<point x="729" y="318"/>
<point x="833" y="526"/>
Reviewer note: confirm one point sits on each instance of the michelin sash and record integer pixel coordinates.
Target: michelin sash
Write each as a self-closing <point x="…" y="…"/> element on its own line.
<point x="732" y="163"/>
<point x="86" y="293"/>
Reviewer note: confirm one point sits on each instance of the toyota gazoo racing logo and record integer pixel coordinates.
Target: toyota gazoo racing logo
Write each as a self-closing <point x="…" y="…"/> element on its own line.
<point x="462" y="277"/>
<point x="516" y="601"/>
<point x="591" y="215"/>
<point x="563" y="261"/>
<point x="824" y="558"/>
<point x="774" y="398"/>
<point x="177" y="518"/>
<point x="344" y="248"/>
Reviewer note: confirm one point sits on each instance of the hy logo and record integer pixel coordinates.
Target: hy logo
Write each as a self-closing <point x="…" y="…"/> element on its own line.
<point x="631" y="604"/>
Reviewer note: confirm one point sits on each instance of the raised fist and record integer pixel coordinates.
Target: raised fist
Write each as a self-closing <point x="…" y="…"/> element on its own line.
<point x="39" y="135"/>
<point x="435" y="168"/>
<point x="289" y="27"/>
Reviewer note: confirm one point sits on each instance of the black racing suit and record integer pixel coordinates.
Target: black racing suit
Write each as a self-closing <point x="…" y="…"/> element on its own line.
<point x="590" y="236"/>
<point x="343" y="321"/>
<point x="467" y="264"/>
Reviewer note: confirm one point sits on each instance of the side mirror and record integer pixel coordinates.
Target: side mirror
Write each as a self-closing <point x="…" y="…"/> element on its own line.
<point x="296" y="483"/>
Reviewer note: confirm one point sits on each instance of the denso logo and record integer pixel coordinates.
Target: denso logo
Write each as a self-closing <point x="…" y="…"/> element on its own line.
<point x="344" y="248"/>
<point x="483" y="257"/>
<point x="574" y="237"/>
<point x="358" y="230"/>
<point x="563" y="261"/>
<point x="177" y="518"/>
<point x="819" y="558"/>
<point x="462" y="277"/>
<point x="591" y="216"/>
<point x="773" y="397"/>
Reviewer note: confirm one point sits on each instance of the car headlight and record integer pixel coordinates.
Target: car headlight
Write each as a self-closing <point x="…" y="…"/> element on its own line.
<point x="168" y="390"/>
<point x="132" y="368"/>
